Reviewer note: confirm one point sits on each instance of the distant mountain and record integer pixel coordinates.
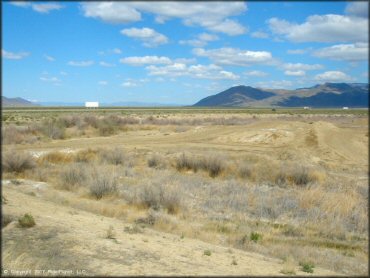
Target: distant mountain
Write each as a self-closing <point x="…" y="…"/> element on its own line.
<point x="235" y="96"/>
<point x="321" y="96"/>
<point x="16" y="102"/>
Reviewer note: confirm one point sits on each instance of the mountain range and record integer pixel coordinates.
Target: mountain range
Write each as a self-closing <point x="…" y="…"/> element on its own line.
<point x="328" y="95"/>
<point x="16" y="102"/>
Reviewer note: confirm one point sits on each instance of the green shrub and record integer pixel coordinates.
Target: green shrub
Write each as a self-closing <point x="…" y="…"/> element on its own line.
<point x="207" y="253"/>
<point x="26" y="221"/>
<point x="254" y="236"/>
<point x="307" y="267"/>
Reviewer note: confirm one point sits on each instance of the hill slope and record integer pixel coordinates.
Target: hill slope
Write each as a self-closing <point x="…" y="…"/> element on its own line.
<point x="16" y="102"/>
<point x="235" y="96"/>
<point x="322" y="95"/>
<point x="71" y="239"/>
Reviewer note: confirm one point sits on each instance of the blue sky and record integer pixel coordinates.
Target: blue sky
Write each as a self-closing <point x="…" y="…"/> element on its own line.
<point x="177" y="52"/>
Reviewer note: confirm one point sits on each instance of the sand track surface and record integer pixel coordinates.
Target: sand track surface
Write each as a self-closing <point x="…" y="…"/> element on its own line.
<point x="313" y="142"/>
<point x="66" y="238"/>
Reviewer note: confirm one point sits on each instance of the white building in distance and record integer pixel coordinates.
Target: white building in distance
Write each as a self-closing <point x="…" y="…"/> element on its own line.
<point x="345" y="108"/>
<point x="91" y="104"/>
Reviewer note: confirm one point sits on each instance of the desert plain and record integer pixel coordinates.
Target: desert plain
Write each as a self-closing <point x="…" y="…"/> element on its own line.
<point x="184" y="191"/>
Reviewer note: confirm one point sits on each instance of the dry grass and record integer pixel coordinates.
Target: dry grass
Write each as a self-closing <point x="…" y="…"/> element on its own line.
<point x="86" y="155"/>
<point x="56" y="157"/>
<point x="301" y="209"/>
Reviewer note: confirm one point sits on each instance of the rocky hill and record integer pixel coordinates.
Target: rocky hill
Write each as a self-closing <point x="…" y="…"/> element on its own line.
<point x="328" y="95"/>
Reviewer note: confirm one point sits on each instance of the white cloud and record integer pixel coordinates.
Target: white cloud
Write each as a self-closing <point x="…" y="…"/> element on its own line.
<point x="54" y="80"/>
<point x="110" y="51"/>
<point x="134" y="83"/>
<point x="322" y="28"/>
<point x="196" y="71"/>
<point x="260" y="35"/>
<point x="103" y="83"/>
<point x="235" y="56"/>
<point x="333" y="76"/>
<point x="201" y="40"/>
<point x="256" y="73"/>
<point x="112" y="12"/>
<point x="116" y="51"/>
<point x="212" y="16"/>
<point x="13" y="55"/>
<point x="347" y="52"/>
<point x="105" y="64"/>
<point x="46" y="7"/>
<point x="145" y="60"/>
<point x="360" y="9"/>
<point x="63" y="73"/>
<point x="22" y="4"/>
<point x="81" y="63"/>
<point x="300" y="66"/>
<point x="40" y="8"/>
<point x="49" y="58"/>
<point x="185" y="60"/>
<point x="298" y="51"/>
<point x="208" y="37"/>
<point x="129" y="84"/>
<point x="229" y="27"/>
<point x="148" y="36"/>
<point x="295" y="73"/>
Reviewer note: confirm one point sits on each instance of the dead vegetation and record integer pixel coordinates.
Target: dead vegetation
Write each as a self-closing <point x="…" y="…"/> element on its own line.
<point x="282" y="206"/>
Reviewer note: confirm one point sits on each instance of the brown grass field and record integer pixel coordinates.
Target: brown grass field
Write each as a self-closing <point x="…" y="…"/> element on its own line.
<point x="185" y="192"/>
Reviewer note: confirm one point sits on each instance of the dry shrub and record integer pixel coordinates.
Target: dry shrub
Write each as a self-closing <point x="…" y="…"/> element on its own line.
<point x="245" y="171"/>
<point x="114" y="156"/>
<point x="184" y="162"/>
<point x="102" y="184"/>
<point x="17" y="161"/>
<point x="6" y="219"/>
<point x="18" y="134"/>
<point x="212" y="164"/>
<point x="86" y="155"/>
<point x="70" y="120"/>
<point x="109" y="125"/>
<point x="156" y="161"/>
<point x="266" y="172"/>
<point x="53" y="129"/>
<point x="157" y="196"/>
<point x="56" y="157"/>
<point x="297" y="175"/>
<point x="73" y="176"/>
<point x="91" y="120"/>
